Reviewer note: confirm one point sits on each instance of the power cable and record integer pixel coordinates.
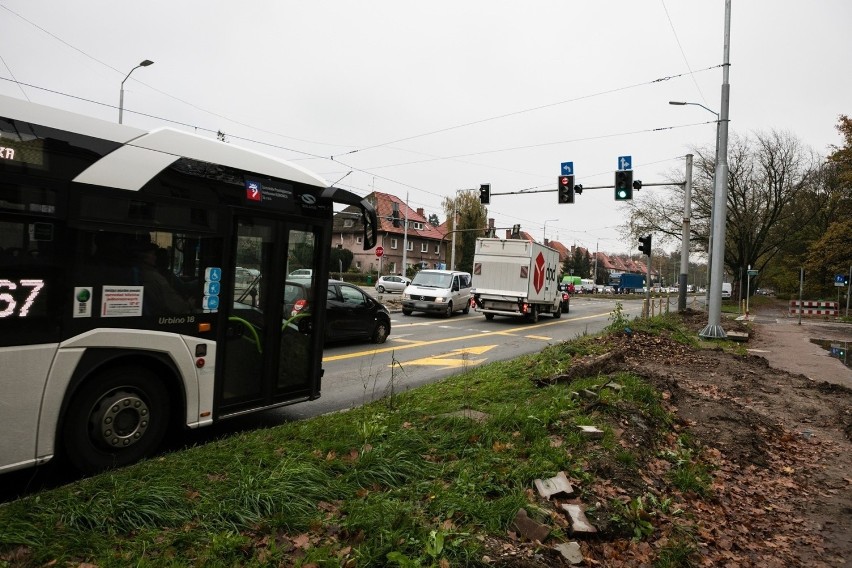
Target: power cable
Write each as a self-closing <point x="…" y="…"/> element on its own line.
<point x="682" y="53"/>
<point x="515" y="113"/>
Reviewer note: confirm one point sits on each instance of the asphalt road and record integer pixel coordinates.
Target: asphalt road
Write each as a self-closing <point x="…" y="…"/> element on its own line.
<point x="423" y="349"/>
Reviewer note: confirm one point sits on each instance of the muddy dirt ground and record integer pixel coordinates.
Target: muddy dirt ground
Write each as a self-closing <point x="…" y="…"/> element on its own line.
<point x="780" y="419"/>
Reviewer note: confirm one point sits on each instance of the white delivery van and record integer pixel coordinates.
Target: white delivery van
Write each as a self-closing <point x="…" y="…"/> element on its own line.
<point x="726" y="290"/>
<point x="437" y="291"/>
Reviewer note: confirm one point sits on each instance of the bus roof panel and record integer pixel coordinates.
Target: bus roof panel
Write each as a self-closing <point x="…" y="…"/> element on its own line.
<point x="112" y="169"/>
<point x="188" y="145"/>
<point x="69" y="121"/>
<point x="127" y="167"/>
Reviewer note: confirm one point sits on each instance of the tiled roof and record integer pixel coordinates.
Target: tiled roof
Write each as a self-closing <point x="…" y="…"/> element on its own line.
<point x="385" y="207"/>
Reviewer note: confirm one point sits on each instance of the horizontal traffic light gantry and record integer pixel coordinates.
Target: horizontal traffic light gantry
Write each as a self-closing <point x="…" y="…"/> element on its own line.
<point x="565" y="189"/>
<point x="623" y="185"/>
<point x="485" y="193"/>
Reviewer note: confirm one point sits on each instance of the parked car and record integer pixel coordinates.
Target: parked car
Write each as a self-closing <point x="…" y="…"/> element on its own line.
<point x="352" y="314"/>
<point x="391" y="283"/>
<point x="301" y="275"/>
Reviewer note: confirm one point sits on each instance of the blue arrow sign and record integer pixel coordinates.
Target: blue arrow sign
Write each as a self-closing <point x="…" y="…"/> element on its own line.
<point x="567" y="168"/>
<point x="625" y="163"/>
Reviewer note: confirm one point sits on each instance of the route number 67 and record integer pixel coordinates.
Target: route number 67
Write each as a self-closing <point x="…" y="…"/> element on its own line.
<point x="7" y="300"/>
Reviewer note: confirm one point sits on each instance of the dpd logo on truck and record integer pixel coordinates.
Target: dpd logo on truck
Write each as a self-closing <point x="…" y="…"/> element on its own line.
<point x="541" y="273"/>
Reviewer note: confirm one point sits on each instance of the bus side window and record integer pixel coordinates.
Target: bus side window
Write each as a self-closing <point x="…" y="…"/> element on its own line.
<point x="161" y="294"/>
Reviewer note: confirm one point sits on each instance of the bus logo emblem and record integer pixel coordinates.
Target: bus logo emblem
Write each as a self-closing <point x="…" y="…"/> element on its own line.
<point x="253" y="191"/>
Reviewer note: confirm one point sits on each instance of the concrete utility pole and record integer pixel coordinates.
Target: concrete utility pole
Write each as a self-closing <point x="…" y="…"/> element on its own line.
<point x="720" y="203"/>
<point x="455" y="227"/>
<point x="684" y="247"/>
<point x="405" y="240"/>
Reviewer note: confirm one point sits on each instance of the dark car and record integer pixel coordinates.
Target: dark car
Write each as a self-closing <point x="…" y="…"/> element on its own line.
<point x="352" y="314"/>
<point x="296" y="298"/>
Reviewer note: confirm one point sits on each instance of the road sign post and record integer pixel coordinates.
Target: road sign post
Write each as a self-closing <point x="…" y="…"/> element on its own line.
<point x="750" y="273"/>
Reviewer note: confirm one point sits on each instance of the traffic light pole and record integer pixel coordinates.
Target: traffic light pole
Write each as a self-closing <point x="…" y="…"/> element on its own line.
<point x="684" y="247"/>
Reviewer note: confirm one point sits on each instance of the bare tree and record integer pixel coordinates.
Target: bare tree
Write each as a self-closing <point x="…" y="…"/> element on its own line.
<point x="472" y="220"/>
<point x="768" y="173"/>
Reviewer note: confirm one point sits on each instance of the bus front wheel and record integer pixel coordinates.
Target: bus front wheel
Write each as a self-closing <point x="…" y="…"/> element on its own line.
<point x="118" y="417"/>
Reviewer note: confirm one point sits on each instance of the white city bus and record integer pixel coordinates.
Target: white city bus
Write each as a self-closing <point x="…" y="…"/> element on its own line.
<point x="142" y="284"/>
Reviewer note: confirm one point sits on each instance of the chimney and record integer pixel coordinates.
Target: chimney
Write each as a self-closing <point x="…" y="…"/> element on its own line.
<point x="491" y="222"/>
<point x="420" y="211"/>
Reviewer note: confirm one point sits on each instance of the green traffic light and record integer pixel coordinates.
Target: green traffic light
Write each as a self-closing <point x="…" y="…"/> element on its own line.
<point x="622" y="194"/>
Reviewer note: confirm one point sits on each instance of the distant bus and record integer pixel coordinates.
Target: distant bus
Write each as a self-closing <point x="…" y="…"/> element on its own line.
<point x="142" y="279"/>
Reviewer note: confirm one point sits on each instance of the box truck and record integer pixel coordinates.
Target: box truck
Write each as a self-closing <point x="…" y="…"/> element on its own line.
<point x="513" y="277"/>
<point x="630" y="283"/>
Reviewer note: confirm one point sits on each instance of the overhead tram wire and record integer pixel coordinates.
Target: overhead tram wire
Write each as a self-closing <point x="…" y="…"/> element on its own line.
<point x="196" y="107"/>
<point x="543" y="144"/>
<point x="532" y="109"/>
<point x="682" y="53"/>
<point x="309" y="154"/>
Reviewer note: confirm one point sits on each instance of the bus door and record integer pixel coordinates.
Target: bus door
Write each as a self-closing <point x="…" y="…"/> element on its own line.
<point x="269" y="353"/>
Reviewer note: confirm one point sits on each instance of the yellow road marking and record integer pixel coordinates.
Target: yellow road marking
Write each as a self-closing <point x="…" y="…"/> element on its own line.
<point x="454" y="359"/>
<point x="512" y="332"/>
<point x="542" y="337"/>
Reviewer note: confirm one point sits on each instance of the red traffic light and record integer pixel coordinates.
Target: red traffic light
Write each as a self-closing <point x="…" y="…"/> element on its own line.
<point x="565" y="189"/>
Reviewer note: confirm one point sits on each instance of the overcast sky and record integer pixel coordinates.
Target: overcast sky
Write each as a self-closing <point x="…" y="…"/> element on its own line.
<point x="423" y="99"/>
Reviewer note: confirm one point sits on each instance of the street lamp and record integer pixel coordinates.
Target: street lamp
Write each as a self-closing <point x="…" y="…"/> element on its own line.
<point x="712" y="207"/>
<point x="145" y="63"/>
<point x="546" y="221"/>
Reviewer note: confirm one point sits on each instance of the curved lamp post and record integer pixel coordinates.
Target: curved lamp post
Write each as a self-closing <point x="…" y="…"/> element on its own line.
<point x="144" y="63"/>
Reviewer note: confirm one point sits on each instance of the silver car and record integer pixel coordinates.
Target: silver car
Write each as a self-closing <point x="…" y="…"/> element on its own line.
<point x="391" y="283"/>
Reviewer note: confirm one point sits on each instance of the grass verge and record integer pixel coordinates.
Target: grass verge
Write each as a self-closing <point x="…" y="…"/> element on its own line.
<point x="407" y="481"/>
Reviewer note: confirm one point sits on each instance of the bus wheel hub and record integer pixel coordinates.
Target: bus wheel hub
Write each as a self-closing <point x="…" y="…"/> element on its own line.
<point x="121" y="419"/>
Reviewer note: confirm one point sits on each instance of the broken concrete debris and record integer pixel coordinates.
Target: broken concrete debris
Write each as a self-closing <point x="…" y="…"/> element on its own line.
<point x="530" y="528"/>
<point x="558" y="484"/>
<point x="570" y="551"/>
<point x="579" y="522"/>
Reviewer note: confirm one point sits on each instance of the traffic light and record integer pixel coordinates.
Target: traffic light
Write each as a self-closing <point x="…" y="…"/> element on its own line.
<point x="623" y="185"/>
<point x="566" y="189"/>
<point x="637" y="185"/>
<point x="645" y="245"/>
<point x="485" y="193"/>
<point x="578" y="189"/>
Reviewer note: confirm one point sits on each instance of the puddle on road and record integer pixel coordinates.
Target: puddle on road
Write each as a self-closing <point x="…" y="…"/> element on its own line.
<point x="839" y="349"/>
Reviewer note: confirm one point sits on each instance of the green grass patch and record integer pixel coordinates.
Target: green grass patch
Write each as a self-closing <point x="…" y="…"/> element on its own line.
<point x="405" y="481"/>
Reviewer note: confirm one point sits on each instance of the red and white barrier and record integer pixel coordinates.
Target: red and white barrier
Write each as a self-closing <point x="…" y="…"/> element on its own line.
<point x="812" y="308"/>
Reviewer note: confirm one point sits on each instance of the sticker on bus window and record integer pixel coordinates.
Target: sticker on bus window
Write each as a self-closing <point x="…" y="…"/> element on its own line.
<point x="121" y="301"/>
<point x="210" y="303"/>
<point x="83" y="302"/>
<point x="212" y="274"/>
